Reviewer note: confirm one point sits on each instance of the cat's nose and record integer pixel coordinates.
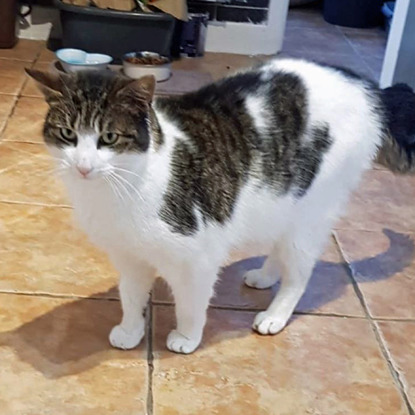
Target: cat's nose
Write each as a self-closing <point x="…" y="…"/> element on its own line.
<point x="84" y="170"/>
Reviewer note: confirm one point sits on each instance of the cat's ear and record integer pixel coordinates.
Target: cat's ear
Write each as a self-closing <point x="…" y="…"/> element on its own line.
<point x="50" y="84"/>
<point x="144" y="87"/>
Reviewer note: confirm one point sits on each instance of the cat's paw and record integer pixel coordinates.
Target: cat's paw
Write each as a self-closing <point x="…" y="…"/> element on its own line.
<point x="256" y="279"/>
<point x="178" y="343"/>
<point x="265" y="323"/>
<point x="120" y="339"/>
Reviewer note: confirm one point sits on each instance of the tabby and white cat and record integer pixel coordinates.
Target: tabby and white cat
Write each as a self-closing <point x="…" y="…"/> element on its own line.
<point x="267" y="157"/>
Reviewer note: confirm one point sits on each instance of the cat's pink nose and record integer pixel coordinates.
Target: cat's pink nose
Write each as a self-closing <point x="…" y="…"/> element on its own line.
<point x="84" y="170"/>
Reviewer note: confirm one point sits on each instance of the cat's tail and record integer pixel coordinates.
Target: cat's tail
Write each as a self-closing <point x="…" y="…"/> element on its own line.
<point x="398" y="149"/>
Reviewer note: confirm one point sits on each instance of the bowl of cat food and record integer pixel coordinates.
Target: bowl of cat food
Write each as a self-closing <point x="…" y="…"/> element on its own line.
<point x="73" y="60"/>
<point x="138" y="64"/>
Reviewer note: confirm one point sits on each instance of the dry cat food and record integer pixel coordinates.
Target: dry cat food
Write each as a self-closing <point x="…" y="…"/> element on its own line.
<point x="147" y="60"/>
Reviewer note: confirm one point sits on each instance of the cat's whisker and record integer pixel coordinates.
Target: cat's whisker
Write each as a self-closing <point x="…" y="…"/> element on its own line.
<point x="121" y="186"/>
<point x="123" y="179"/>
<point x="114" y="188"/>
<point x="128" y="191"/>
<point x="127" y="171"/>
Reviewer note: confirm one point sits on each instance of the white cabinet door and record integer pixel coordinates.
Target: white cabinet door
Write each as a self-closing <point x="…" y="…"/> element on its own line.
<point x="399" y="62"/>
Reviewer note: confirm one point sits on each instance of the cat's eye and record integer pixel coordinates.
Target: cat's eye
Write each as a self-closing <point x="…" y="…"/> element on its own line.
<point x="109" y="138"/>
<point x="67" y="134"/>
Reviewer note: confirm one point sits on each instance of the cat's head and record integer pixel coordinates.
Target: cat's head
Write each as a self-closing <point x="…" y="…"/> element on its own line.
<point x="98" y="123"/>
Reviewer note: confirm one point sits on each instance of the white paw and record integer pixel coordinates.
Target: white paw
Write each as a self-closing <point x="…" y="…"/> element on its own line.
<point x="256" y="279"/>
<point x="265" y="323"/>
<point x="178" y="343"/>
<point x="120" y="339"/>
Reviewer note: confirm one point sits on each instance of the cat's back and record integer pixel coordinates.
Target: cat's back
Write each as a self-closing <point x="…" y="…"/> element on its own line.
<point x="284" y="126"/>
<point x="285" y="86"/>
<point x="331" y="92"/>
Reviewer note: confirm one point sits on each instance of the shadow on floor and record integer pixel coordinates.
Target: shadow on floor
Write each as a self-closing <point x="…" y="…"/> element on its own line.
<point x="73" y="337"/>
<point x="329" y="279"/>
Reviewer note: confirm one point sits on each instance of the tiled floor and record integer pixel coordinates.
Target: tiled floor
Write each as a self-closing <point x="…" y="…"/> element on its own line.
<point x="349" y="349"/>
<point x="309" y="36"/>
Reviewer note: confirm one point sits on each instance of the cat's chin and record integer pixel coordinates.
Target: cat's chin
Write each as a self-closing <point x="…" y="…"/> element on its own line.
<point x="77" y="179"/>
<point x="83" y="180"/>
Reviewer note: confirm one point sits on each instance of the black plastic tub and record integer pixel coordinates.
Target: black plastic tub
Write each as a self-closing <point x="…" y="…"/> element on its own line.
<point x="353" y="13"/>
<point x="115" y="32"/>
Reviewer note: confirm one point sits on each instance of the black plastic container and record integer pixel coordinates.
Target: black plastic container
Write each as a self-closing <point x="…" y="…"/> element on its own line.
<point x="353" y="13"/>
<point x="115" y="32"/>
<point x="193" y="36"/>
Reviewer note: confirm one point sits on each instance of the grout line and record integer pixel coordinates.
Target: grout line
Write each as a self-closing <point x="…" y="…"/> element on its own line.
<point x="298" y="313"/>
<point x="23" y="95"/>
<point x="3" y="128"/>
<point x="38" y="143"/>
<point x="395" y="319"/>
<point x="258" y="310"/>
<point x="31" y="64"/>
<point x="361" y="58"/>
<point x="8" y="94"/>
<point x="319" y="314"/>
<point x="40" y="204"/>
<point x="150" y="358"/>
<point x="57" y="296"/>
<point x="214" y="307"/>
<point x="160" y="303"/>
<point x="374" y="230"/>
<point x="393" y="369"/>
<point x="2" y="58"/>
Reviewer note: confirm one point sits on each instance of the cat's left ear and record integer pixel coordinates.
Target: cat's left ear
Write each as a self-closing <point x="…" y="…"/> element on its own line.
<point x="144" y="87"/>
<point x="50" y="84"/>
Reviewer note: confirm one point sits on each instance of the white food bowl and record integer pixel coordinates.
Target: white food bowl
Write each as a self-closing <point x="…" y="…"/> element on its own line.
<point x="161" y="71"/>
<point x="74" y="60"/>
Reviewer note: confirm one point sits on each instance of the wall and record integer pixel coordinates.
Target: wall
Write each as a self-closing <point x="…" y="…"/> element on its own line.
<point x="249" y="38"/>
<point x="399" y="62"/>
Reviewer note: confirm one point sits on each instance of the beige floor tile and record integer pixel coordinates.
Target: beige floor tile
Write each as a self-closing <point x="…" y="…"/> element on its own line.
<point x="46" y="55"/>
<point x="329" y="291"/>
<point x="42" y="251"/>
<point x="12" y="75"/>
<point x="384" y="267"/>
<point x="27" y="175"/>
<point x="318" y="365"/>
<point x="6" y="104"/>
<point x="383" y="200"/>
<point x="25" y="50"/>
<point x="400" y="340"/>
<point x="56" y="359"/>
<point x="26" y="122"/>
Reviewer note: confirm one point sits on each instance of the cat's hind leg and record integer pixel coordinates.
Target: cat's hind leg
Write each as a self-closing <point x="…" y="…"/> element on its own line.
<point x="268" y="275"/>
<point x="298" y="252"/>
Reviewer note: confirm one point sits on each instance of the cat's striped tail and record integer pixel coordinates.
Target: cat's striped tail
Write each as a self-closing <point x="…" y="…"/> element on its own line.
<point x="398" y="150"/>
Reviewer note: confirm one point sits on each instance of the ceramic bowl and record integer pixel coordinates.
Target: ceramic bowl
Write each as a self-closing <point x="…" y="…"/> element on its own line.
<point x="160" y="69"/>
<point x="74" y="60"/>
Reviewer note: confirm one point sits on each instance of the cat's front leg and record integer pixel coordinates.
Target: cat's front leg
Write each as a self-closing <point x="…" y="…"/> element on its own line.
<point x="192" y="291"/>
<point x="136" y="280"/>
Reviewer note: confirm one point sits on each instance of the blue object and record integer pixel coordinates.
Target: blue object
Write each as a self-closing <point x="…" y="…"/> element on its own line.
<point x="353" y="13"/>
<point x="80" y="57"/>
